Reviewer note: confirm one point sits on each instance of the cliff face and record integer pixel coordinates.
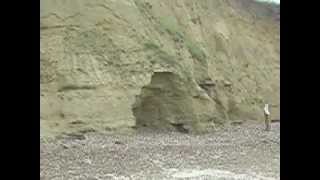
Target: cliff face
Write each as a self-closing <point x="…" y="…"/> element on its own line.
<point x="177" y="64"/>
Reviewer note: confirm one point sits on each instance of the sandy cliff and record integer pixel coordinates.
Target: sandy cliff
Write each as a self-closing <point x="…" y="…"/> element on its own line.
<point x="173" y="64"/>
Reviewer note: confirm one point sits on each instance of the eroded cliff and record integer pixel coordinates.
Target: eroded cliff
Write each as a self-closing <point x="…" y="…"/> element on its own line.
<point x="177" y="64"/>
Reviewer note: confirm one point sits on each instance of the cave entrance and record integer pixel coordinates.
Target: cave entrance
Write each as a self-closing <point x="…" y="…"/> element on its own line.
<point x="164" y="103"/>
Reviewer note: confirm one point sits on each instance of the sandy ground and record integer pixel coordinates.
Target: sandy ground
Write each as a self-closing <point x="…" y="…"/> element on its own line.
<point x="235" y="152"/>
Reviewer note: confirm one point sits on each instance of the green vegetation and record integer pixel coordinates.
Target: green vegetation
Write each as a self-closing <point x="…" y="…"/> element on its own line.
<point x="160" y="53"/>
<point x="151" y="45"/>
<point x="165" y="57"/>
<point x="170" y="25"/>
<point x="195" y="51"/>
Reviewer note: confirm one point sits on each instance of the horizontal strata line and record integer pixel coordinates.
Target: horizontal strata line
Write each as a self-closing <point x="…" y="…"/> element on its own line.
<point x="58" y="26"/>
<point x="72" y="87"/>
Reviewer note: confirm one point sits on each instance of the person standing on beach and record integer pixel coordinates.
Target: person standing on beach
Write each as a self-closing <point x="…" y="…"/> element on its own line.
<point x="267" y="117"/>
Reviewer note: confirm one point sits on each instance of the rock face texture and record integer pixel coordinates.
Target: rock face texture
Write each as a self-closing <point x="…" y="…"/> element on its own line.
<point x="174" y="64"/>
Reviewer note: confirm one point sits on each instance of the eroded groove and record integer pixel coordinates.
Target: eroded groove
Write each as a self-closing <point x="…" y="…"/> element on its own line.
<point x="75" y="87"/>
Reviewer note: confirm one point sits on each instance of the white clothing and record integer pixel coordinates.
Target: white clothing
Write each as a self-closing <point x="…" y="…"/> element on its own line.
<point x="266" y="109"/>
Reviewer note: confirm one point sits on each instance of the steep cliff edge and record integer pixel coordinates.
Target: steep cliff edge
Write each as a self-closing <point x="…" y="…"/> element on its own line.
<point x="177" y="64"/>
